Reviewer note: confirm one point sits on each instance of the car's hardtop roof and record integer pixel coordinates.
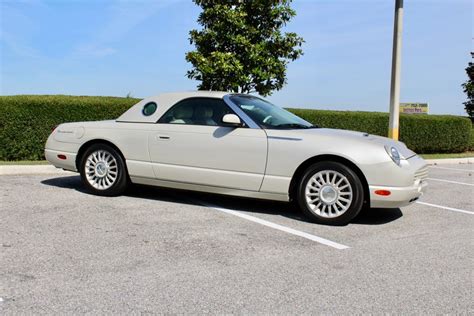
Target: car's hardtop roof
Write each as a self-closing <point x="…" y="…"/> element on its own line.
<point x="164" y="102"/>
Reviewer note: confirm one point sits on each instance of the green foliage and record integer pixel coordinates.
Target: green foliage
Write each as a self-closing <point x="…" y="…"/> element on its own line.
<point x="468" y="87"/>
<point x="471" y="142"/>
<point x="435" y="133"/>
<point x="241" y="47"/>
<point x="421" y="133"/>
<point x="26" y="121"/>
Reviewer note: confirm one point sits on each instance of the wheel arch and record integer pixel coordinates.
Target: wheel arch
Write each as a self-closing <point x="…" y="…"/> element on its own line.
<point x="334" y="158"/>
<point x="91" y="142"/>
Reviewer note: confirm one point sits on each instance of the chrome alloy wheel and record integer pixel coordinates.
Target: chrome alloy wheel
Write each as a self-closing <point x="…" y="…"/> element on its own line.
<point x="101" y="169"/>
<point x="328" y="193"/>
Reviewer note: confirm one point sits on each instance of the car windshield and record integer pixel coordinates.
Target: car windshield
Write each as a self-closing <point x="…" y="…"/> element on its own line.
<point x="267" y="115"/>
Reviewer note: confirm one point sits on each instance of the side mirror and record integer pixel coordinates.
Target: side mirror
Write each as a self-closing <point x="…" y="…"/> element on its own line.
<point x="232" y="119"/>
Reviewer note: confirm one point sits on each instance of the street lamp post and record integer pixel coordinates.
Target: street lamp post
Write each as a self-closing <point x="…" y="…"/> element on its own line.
<point x="396" y="67"/>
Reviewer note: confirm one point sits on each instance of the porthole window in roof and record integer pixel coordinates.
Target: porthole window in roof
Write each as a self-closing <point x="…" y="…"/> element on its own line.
<point x="149" y="108"/>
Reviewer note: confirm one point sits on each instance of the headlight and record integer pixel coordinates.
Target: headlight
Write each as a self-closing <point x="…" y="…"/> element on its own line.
<point x="394" y="154"/>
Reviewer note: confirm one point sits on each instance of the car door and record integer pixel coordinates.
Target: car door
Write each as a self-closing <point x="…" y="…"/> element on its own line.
<point x="190" y="144"/>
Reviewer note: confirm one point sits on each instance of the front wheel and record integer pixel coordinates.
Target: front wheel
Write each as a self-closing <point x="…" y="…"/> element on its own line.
<point x="330" y="193"/>
<point x="103" y="170"/>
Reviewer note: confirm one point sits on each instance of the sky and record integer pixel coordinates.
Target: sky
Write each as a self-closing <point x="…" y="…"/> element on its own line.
<point x="137" y="47"/>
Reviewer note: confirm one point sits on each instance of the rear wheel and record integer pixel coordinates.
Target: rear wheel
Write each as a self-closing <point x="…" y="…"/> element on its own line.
<point x="330" y="193"/>
<point x="103" y="170"/>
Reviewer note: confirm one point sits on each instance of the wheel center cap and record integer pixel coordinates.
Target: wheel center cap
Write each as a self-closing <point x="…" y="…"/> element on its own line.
<point x="328" y="194"/>
<point x="101" y="169"/>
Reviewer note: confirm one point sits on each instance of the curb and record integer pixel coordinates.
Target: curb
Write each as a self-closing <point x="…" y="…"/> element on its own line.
<point x="447" y="161"/>
<point x="13" y="170"/>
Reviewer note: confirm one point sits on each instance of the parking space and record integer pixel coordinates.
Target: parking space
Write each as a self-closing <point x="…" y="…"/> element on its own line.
<point x="458" y="174"/>
<point x="158" y="250"/>
<point x="451" y="186"/>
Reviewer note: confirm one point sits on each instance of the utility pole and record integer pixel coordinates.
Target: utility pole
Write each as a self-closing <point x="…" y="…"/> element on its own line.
<point x="396" y="68"/>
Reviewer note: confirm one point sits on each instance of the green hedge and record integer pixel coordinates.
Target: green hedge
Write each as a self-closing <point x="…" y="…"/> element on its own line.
<point x="471" y="144"/>
<point x="422" y="133"/>
<point x="26" y="121"/>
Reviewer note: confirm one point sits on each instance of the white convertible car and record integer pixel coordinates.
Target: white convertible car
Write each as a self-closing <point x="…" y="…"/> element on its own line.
<point x="240" y="145"/>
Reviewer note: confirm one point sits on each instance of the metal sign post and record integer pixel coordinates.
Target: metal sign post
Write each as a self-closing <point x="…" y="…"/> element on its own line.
<point x="396" y="67"/>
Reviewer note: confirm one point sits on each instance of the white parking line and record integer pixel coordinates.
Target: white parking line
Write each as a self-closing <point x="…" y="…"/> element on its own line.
<point x="446" y="208"/>
<point x="276" y="226"/>
<point x="457" y="169"/>
<point x="449" y="181"/>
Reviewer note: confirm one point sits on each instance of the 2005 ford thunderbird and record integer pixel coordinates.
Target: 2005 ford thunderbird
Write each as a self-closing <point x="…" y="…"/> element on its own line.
<point x="240" y="145"/>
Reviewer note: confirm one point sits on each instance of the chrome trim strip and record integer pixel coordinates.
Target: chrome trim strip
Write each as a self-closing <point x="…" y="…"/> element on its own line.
<point x="284" y="138"/>
<point x="250" y="123"/>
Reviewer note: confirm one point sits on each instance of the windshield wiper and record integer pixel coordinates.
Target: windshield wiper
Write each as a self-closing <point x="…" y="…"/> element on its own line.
<point x="296" y="125"/>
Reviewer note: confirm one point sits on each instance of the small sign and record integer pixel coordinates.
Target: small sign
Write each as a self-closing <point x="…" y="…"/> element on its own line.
<point x="414" y="108"/>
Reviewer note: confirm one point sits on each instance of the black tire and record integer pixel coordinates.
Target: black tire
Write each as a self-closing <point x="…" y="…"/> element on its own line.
<point x="354" y="206"/>
<point x="121" y="175"/>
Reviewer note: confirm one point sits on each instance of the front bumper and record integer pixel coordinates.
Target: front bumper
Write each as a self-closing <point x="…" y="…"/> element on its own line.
<point x="399" y="197"/>
<point x="415" y="170"/>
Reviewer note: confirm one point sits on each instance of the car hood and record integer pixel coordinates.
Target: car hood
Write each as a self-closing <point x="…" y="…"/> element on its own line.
<point x="342" y="136"/>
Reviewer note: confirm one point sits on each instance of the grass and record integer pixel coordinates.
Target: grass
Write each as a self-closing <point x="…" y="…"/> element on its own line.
<point x="23" y="162"/>
<point x="469" y="154"/>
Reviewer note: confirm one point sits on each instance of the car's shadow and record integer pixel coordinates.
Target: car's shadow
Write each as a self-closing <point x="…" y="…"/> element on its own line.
<point x="366" y="217"/>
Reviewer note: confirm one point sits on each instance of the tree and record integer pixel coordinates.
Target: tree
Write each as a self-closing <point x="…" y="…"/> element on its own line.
<point x="469" y="89"/>
<point x="241" y="47"/>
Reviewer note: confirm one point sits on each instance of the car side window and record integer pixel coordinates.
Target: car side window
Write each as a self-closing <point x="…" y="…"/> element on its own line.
<point x="197" y="111"/>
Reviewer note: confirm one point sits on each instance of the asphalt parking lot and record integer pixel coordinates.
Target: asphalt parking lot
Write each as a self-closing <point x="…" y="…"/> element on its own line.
<point x="166" y="251"/>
